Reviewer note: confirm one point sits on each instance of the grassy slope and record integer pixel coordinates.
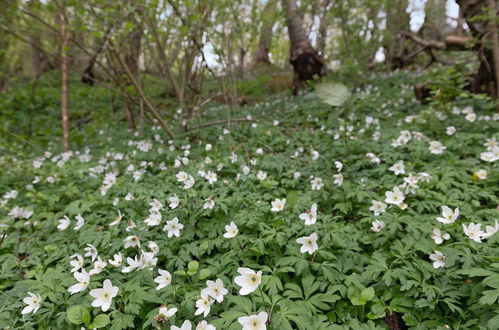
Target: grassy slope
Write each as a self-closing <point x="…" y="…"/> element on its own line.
<point x="35" y="256"/>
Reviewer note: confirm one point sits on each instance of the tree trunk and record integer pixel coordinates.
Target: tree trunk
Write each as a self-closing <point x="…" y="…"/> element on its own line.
<point x="306" y="61"/>
<point x="265" y="39"/>
<point x="321" y="36"/>
<point x="485" y="34"/>
<point x="397" y="19"/>
<point x="64" y="78"/>
<point x="88" y="75"/>
<point x="493" y="10"/>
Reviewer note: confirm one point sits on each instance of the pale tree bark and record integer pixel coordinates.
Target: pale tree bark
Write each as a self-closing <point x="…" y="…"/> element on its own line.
<point x="493" y="9"/>
<point x="306" y="61"/>
<point x="397" y="19"/>
<point x="265" y="38"/>
<point x="321" y="36"/>
<point x="64" y="77"/>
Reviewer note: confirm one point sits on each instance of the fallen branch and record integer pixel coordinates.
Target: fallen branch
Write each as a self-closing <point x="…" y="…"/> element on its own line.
<point x="450" y="42"/>
<point x="144" y="98"/>
<point x="221" y="122"/>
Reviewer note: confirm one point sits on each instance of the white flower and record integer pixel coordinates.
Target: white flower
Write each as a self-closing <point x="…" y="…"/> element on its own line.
<point x="91" y="251"/>
<point x="471" y="117"/>
<point x="231" y="230"/>
<point x="182" y="177"/>
<point x="436" y="148"/>
<point x="203" y="304"/>
<point x="132" y="264"/>
<point x="83" y="279"/>
<point x="438" y="237"/>
<point x="185" y="326"/>
<point x="131" y="241"/>
<point x="117" y="261"/>
<point x="490" y="230"/>
<point x="149" y="259"/>
<point x="339" y="165"/>
<point x="129" y="197"/>
<point x="189" y="183"/>
<point x="316" y="183"/>
<point x="63" y="223"/>
<point x="249" y="280"/>
<point x="398" y="168"/>
<point x="245" y="169"/>
<point x="309" y="243"/>
<point x="98" y="266"/>
<point x="474" y="231"/>
<point x="338" y="179"/>
<point x="395" y="197"/>
<point x="450" y="130"/>
<point x="203" y="325"/>
<point x="33" y="302"/>
<point x="76" y="264"/>
<point x="80" y="222"/>
<point x="173" y="227"/>
<point x="155" y="205"/>
<point x="481" y="174"/>
<point x="209" y="203"/>
<point x="104" y="297"/>
<point x="153" y="219"/>
<point x="278" y="204"/>
<point x="174" y="201"/>
<point x="211" y="177"/>
<point x="153" y="246"/>
<point x="310" y="216"/>
<point x="117" y="220"/>
<point x="164" y="279"/>
<point x="378" y="207"/>
<point x="165" y="313"/>
<point x="261" y="175"/>
<point x="377" y="226"/>
<point x="254" y="322"/>
<point x="216" y="290"/>
<point x="448" y="216"/>
<point x="439" y="259"/>
<point x="296" y="175"/>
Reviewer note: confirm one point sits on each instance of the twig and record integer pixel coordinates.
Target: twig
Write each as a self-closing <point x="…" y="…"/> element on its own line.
<point x="148" y="103"/>
<point x="221" y="122"/>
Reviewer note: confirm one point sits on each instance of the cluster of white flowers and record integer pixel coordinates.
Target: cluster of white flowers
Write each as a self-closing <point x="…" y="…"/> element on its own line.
<point x="472" y="230"/>
<point x="492" y="153"/>
<point x="186" y="179"/>
<point x="108" y="182"/>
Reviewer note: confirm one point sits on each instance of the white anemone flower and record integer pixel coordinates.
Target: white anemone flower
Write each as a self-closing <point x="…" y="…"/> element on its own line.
<point x="278" y="204"/>
<point x="308" y="243"/>
<point x="249" y="280"/>
<point x="164" y="279"/>
<point x="104" y="296"/>
<point x="231" y="230"/>
<point x="438" y="259"/>
<point x="33" y="303"/>
<point x="254" y="322"/>
<point x="448" y="216"/>
<point x="83" y="279"/>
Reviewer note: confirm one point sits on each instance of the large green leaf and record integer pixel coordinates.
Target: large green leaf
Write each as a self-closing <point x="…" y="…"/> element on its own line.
<point x="334" y="94"/>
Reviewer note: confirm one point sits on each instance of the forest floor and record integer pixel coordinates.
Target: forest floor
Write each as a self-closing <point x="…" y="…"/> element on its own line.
<point x="351" y="214"/>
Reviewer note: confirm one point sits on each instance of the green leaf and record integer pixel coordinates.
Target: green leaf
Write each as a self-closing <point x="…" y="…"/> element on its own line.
<point x="78" y="315"/>
<point x="193" y="266"/>
<point x="367" y="294"/>
<point x="204" y="273"/>
<point x="489" y="297"/>
<point x="334" y="94"/>
<point x="100" y="321"/>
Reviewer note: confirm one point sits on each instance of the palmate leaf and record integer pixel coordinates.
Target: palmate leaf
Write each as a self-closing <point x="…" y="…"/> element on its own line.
<point x="334" y="94"/>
